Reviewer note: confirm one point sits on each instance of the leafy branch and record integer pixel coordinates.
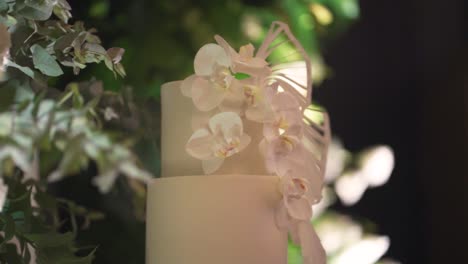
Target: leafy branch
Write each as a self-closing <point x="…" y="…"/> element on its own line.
<point x="41" y="44"/>
<point x="46" y="134"/>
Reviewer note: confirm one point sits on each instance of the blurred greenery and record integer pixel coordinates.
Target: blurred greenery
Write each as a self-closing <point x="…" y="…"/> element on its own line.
<point x="162" y="37"/>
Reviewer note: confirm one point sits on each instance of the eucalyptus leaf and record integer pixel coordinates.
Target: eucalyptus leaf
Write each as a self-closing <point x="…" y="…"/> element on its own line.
<point x="51" y="239"/>
<point x="3" y="6"/>
<point x="36" y="10"/>
<point x="44" y="62"/>
<point x="23" y="69"/>
<point x="8" y="226"/>
<point x="119" y="68"/>
<point x="8" y="20"/>
<point x="115" y="54"/>
<point x="62" y="10"/>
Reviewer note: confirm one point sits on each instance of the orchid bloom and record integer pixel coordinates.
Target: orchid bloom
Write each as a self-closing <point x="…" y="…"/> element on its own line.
<point x="213" y="84"/>
<point x="245" y="61"/>
<point x="282" y="146"/>
<point x="254" y="88"/>
<point x="222" y="138"/>
<point x="283" y="132"/>
<point x="295" y="213"/>
<point x="256" y="93"/>
<point x="294" y="201"/>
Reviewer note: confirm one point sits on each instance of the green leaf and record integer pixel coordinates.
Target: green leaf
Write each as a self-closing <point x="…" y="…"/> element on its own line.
<point x="23" y="69"/>
<point x="36" y="10"/>
<point x="44" y="62"/>
<point x="54" y="247"/>
<point x="11" y="255"/>
<point x="8" y="20"/>
<point x="8" y="226"/>
<point x="241" y="75"/>
<point x="52" y="239"/>
<point x="120" y="70"/>
<point x="62" y="10"/>
<point x="3" y="6"/>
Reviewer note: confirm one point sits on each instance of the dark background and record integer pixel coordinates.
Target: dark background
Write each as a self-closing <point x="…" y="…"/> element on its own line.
<point x="400" y="77"/>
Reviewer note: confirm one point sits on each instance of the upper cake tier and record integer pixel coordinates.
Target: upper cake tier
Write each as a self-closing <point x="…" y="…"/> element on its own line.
<point x="176" y="125"/>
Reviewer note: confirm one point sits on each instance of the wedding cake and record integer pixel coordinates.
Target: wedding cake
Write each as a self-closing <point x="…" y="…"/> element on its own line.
<point x="243" y="156"/>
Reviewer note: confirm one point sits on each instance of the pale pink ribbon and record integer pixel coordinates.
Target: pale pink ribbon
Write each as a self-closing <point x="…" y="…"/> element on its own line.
<point x="294" y="214"/>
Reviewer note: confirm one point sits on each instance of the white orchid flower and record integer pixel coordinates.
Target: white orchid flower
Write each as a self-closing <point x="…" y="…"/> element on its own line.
<point x="213" y="84"/>
<point x="223" y="137"/>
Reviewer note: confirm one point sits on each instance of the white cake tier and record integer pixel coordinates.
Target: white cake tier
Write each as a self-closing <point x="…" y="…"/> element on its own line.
<point x="215" y="219"/>
<point x="176" y="129"/>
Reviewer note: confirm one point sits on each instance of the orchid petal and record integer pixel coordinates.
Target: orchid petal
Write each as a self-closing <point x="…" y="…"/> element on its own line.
<point x="292" y="116"/>
<point x="298" y="164"/>
<point x="199" y="144"/>
<point x="293" y="232"/>
<point x="229" y="123"/>
<point x="299" y="208"/>
<point x="255" y="114"/>
<point x="186" y="86"/>
<point x="211" y="165"/>
<point x="205" y="95"/>
<point x="230" y="105"/>
<point x="233" y="133"/>
<point x="234" y="99"/>
<point x="285" y="101"/>
<point x="261" y="112"/>
<point x="295" y="130"/>
<point x="281" y="217"/>
<point x="311" y="247"/>
<point x="208" y="57"/>
<point x="268" y="150"/>
<point x="245" y="60"/>
<point x="270" y="131"/>
<point x="223" y="43"/>
<point x="258" y="63"/>
<point x="247" y="51"/>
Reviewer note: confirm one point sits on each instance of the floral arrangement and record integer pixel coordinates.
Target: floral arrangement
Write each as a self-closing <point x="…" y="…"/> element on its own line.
<point x="231" y="87"/>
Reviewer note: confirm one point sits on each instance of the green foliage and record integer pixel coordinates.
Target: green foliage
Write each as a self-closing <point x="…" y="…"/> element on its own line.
<point x="41" y="141"/>
<point x="31" y="229"/>
<point x="47" y="134"/>
<point x="71" y="137"/>
<point x="162" y="37"/>
<point x="52" y="42"/>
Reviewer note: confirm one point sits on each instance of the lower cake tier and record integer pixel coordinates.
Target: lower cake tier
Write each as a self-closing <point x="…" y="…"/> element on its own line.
<point x="215" y="219"/>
